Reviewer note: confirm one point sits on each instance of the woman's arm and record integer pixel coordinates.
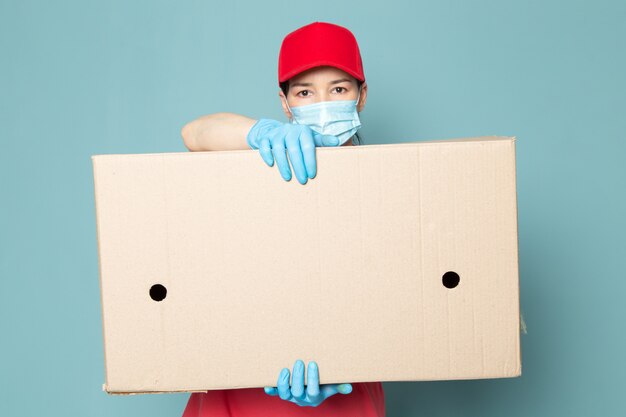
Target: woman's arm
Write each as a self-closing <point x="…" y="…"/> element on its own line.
<point x="217" y="132"/>
<point x="274" y="140"/>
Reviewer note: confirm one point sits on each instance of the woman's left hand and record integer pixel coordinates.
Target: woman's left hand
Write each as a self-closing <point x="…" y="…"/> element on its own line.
<point x="313" y="395"/>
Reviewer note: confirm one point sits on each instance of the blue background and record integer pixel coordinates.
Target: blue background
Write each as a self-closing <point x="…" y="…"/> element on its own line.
<point x="79" y="78"/>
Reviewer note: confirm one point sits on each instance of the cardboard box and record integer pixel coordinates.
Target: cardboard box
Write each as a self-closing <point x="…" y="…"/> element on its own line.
<point x="398" y="262"/>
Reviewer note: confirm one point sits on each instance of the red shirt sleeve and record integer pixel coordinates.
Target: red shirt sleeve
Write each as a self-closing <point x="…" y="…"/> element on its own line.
<point x="367" y="399"/>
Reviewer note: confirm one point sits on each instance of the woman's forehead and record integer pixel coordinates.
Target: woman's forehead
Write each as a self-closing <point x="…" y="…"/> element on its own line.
<point x="321" y="75"/>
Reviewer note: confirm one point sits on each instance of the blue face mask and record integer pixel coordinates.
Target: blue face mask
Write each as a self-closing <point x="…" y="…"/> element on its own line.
<point x="338" y="118"/>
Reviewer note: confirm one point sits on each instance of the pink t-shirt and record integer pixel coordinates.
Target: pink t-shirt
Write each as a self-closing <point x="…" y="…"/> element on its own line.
<point x="367" y="399"/>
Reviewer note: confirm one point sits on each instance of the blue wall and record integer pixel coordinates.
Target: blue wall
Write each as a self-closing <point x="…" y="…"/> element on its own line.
<point x="79" y="78"/>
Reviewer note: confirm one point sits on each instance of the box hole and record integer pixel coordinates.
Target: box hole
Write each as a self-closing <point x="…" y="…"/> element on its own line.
<point x="158" y="292"/>
<point x="450" y="279"/>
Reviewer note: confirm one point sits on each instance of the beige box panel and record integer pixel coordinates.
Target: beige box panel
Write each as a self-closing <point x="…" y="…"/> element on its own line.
<point x="345" y="270"/>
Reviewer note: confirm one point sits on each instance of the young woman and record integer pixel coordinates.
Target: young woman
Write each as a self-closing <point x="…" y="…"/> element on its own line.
<point x="322" y="90"/>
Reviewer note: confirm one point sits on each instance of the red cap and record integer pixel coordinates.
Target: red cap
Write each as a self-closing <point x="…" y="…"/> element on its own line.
<point x="317" y="44"/>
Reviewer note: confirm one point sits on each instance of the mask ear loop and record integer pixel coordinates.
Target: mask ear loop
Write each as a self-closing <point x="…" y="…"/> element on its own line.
<point x="293" y="118"/>
<point x="359" y="95"/>
<point x="357" y="103"/>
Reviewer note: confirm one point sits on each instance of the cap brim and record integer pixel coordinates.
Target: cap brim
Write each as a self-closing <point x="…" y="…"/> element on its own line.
<point x="319" y="63"/>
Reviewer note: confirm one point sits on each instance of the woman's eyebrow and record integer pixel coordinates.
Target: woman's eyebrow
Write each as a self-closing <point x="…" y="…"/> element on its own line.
<point x="339" y="81"/>
<point x="301" y="84"/>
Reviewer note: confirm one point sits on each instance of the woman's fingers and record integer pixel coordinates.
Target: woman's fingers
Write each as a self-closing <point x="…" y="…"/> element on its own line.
<point x="344" y="388"/>
<point x="297" y="382"/>
<point x="313" y="380"/>
<point x="283" y="384"/>
<point x="328" y="140"/>
<point x="315" y="393"/>
<point x="325" y="140"/>
<point x="280" y="155"/>
<point x="328" y="390"/>
<point x="265" y="149"/>
<point x="307" y="144"/>
<point x="295" y="153"/>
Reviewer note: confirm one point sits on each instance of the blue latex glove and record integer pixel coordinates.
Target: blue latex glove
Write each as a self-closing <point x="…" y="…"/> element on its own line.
<point x="275" y="140"/>
<point x="314" y="394"/>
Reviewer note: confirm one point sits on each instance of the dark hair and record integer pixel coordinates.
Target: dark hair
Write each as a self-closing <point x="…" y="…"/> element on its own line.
<point x="285" y="87"/>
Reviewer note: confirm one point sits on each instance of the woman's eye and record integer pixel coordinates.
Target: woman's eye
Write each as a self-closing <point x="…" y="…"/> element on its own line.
<point x="304" y="93"/>
<point x="339" y="88"/>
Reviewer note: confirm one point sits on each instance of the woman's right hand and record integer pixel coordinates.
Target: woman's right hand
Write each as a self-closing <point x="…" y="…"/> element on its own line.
<point x="275" y="140"/>
<point x="313" y="395"/>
